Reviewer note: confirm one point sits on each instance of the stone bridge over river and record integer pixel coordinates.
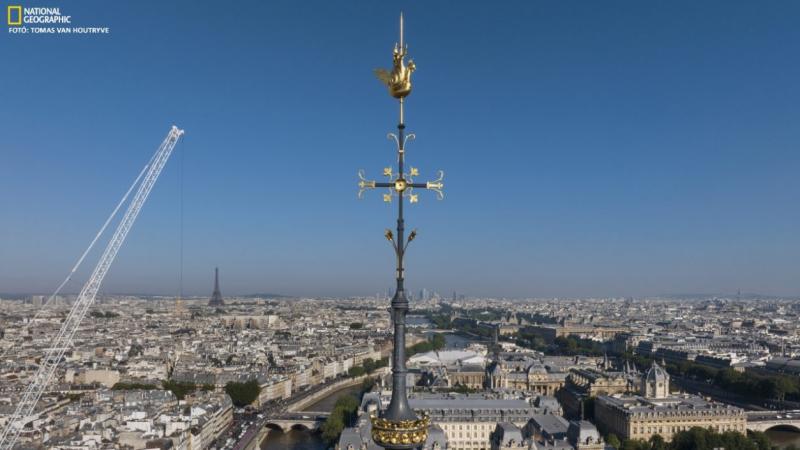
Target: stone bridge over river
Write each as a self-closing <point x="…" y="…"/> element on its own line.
<point x="765" y="420"/>
<point x="293" y="421"/>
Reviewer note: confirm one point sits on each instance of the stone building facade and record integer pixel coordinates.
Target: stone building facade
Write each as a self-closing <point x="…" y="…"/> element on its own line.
<point x="468" y="422"/>
<point x="523" y="373"/>
<point x="657" y="411"/>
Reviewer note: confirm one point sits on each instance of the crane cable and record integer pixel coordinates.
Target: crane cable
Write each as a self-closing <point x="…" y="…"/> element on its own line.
<point x="180" y="202"/>
<point x="85" y="253"/>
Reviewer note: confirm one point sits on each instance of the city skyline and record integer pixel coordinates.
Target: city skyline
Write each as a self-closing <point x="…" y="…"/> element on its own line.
<point x="633" y="151"/>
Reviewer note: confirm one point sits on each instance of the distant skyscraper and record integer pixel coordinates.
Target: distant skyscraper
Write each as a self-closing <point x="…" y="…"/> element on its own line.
<point x="216" y="297"/>
<point x="424" y="294"/>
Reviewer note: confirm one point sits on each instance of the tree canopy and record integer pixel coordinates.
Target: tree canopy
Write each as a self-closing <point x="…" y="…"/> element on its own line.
<point x="243" y="394"/>
<point x="698" y="439"/>
<point x="343" y="415"/>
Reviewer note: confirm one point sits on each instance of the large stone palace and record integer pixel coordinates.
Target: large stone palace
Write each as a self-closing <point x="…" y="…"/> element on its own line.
<point x="524" y="373"/>
<point x="656" y="411"/>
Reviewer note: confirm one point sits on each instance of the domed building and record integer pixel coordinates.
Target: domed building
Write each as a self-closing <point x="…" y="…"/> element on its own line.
<point x="656" y="383"/>
<point x="657" y="411"/>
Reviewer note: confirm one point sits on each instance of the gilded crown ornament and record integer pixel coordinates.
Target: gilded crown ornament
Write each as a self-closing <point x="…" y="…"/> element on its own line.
<point x="400" y="434"/>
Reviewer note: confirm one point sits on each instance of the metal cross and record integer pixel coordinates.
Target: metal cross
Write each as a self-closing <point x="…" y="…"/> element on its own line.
<point x="399" y="427"/>
<point x="401" y="185"/>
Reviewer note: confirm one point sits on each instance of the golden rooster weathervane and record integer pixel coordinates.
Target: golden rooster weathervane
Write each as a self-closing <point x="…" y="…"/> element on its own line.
<point x="398" y="81"/>
<point x="399" y="427"/>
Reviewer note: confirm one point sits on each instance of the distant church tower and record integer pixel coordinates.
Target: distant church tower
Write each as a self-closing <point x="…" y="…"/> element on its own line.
<point x="656" y="382"/>
<point x="216" y="297"/>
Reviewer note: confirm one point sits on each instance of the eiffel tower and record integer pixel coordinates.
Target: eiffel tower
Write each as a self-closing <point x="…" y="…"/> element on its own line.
<point x="216" y="297"/>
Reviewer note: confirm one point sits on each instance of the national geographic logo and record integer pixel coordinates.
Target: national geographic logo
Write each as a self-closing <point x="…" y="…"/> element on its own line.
<point x="45" y="20"/>
<point x="14" y="14"/>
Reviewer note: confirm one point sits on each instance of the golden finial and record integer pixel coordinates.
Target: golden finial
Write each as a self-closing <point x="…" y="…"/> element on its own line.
<point x="398" y="81"/>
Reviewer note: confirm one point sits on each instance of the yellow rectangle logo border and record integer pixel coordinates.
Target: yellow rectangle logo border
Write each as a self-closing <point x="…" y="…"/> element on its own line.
<point x="17" y="8"/>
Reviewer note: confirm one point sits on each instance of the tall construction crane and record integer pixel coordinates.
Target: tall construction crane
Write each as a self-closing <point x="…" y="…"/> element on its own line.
<point x="59" y="345"/>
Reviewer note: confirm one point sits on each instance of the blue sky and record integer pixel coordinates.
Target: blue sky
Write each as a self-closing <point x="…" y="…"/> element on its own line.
<point x="590" y="148"/>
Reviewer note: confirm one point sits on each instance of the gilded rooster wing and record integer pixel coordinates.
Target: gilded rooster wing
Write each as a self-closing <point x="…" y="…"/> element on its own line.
<point x="384" y="75"/>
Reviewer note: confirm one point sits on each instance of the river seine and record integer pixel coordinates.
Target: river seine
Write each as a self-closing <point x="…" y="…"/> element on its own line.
<point x="305" y="439"/>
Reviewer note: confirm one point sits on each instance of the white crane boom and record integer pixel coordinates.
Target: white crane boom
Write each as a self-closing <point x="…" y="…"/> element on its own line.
<point x="59" y="345"/>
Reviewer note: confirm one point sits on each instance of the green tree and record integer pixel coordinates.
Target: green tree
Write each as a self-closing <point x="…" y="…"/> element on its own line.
<point x="695" y="438"/>
<point x="784" y="386"/>
<point x="657" y="442"/>
<point x="438" y="341"/>
<point x="332" y="428"/>
<point x="635" y="444"/>
<point x="133" y="386"/>
<point x="760" y="439"/>
<point x="243" y="394"/>
<point x="367" y="384"/>
<point x="180" y="389"/>
<point x="613" y="441"/>
<point x="343" y="415"/>
<point x="356" y="371"/>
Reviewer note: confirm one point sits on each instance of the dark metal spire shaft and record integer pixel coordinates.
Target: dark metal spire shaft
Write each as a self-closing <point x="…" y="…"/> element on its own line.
<point x="398" y="407"/>
<point x="399" y="427"/>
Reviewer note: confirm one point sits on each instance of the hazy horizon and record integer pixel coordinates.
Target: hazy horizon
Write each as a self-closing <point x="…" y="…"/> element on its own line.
<point x="414" y="292"/>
